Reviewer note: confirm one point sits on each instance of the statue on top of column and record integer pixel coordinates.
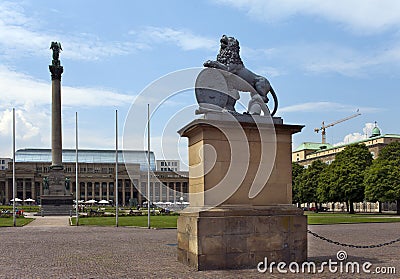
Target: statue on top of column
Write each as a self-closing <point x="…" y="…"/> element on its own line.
<point x="56" y="47"/>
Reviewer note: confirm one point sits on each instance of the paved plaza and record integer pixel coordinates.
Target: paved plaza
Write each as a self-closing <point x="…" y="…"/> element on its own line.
<point x="42" y="250"/>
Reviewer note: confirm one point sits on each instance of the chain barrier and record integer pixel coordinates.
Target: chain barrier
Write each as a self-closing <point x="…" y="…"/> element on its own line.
<point x="351" y="245"/>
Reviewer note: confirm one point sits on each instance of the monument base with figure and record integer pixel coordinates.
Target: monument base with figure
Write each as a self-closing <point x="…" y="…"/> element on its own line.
<point x="256" y="219"/>
<point x="56" y="199"/>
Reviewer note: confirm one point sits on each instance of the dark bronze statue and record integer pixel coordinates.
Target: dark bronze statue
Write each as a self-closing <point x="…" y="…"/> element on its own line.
<point x="55" y="68"/>
<point x="46" y="183"/>
<point x="229" y="60"/>
<point x="56" y="47"/>
<point x="67" y="183"/>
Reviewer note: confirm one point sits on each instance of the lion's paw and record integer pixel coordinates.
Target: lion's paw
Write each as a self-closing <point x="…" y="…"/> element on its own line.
<point x="209" y="63"/>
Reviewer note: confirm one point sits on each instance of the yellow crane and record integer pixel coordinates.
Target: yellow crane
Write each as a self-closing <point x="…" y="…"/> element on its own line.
<point x="323" y="127"/>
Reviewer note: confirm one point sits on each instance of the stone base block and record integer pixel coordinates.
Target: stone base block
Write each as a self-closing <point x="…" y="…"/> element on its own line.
<point x="238" y="237"/>
<point x="57" y="182"/>
<point x="56" y="205"/>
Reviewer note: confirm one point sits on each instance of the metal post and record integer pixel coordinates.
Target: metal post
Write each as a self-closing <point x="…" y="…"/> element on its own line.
<point x="116" y="168"/>
<point x="14" y="213"/>
<point x="148" y="167"/>
<point x="76" y="170"/>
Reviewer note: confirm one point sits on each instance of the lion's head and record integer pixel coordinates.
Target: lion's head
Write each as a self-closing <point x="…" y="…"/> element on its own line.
<point x="229" y="51"/>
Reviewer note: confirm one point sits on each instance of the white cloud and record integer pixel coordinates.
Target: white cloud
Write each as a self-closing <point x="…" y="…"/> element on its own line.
<point x="76" y="96"/>
<point x="324" y="107"/>
<point x="31" y="129"/>
<point x="21" y="36"/>
<point x="184" y="39"/>
<point x="364" y="16"/>
<point x="6" y="122"/>
<point x="354" y="137"/>
<point x="326" y="58"/>
<point x="32" y="100"/>
<point x="22" y="90"/>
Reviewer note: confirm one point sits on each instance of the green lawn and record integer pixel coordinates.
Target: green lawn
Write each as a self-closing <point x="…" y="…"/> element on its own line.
<point x="343" y="218"/>
<point x="138" y="221"/>
<point x="170" y="221"/>
<point x="8" y="222"/>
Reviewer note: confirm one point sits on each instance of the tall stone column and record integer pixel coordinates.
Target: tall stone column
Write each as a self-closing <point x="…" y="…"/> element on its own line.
<point x="57" y="198"/>
<point x="100" y="190"/>
<point x="174" y="187"/>
<point x="131" y="190"/>
<point x="56" y="176"/>
<point x="56" y="131"/>
<point x="139" y="197"/>
<point x="123" y="192"/>
<point x="86" y="191"/>
<point x="23" y="188"/>
<point x="108" y="191"/>
<point x="7" y="191"/>
<point x="33" y="189"/>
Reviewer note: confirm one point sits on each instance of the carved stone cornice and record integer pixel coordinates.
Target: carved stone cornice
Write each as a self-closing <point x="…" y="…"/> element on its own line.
<point x="56" y="72"/>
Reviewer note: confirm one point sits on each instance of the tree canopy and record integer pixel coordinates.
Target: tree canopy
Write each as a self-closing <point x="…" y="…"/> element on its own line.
<point x="297" y="170"/>
<point x="343" y="180"/>
<point x="308" y="182"/>
<point x="353" y="176"/>
<point x="382" y="178"/>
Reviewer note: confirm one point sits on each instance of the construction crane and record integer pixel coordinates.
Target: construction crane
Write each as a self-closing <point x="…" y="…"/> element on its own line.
<point x="323" y="127"/>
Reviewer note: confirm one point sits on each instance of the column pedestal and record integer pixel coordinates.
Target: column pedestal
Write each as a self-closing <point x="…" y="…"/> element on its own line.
<point x="246" y="226"/>
<point x="57" y="200"/>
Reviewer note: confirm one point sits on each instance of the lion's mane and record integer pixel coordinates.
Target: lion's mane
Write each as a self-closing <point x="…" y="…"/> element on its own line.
<point x="230" y="54"/>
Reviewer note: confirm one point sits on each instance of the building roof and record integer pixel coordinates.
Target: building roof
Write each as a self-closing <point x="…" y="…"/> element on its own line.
<point x="375" y="132"/>
<point x="87" y="156"/>
<point x="368" y="139"/>
<point x="313" y="146"/>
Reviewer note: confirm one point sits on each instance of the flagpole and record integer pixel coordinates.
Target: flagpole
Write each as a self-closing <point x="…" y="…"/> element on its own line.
<point x="148" y="167"/>
<point x="76" y="169"/>
<point x="116" y="168"/>
<point x="14" y="213"/>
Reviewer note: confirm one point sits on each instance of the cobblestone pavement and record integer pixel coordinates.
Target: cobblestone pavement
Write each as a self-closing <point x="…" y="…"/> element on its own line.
<point x="109" y="252"/>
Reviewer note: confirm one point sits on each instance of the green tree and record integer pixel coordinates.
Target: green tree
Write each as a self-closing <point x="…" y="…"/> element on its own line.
<point x="328" y="187"/>
<point x="390" y="152"/>
<point x="382" y="179"/>
<point x="308" y="182"/>
<point x="343" y="180"/>
<point x="297" y="170"/>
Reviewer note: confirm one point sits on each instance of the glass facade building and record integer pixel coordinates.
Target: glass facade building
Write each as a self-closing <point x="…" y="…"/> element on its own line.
<point x="88" y="156"/>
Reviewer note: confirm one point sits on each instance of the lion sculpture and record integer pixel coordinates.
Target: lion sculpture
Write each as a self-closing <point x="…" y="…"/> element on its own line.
<point x="229" y="60"/>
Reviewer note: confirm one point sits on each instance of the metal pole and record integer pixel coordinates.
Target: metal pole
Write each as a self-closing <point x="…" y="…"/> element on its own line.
<point x="76" y="169"/>
<point x="14" y="213"/>
<point x="148" y="167"/>
<point x="116" y="168"/>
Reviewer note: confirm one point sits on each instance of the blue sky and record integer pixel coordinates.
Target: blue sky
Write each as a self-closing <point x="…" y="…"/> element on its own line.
<point x="325" y="60"/>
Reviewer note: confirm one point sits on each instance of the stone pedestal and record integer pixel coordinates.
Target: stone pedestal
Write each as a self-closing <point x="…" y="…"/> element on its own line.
<point x="56" y="205"/>
<point x="240" y="237"/>
<point x="256" y="219"/>
<point x="57" y="183"/>
<point x="56" y="200"/>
